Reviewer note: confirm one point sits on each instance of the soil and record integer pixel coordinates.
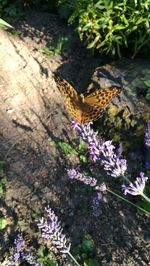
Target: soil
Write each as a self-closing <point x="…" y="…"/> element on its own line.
<point x="32" y="120"/>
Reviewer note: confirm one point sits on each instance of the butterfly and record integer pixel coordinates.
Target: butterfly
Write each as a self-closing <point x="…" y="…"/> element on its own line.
<point x="85" y="109"/>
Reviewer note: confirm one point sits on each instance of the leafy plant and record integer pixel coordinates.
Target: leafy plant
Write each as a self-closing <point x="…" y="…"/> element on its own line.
<point x="13" y="9"/>
<point x="110" y="26"/>
<point x="67" y="148"/>
<point x="46" y="258"/>
<point x="147" y="83"/>
<point x="85" y="251"/>
<point x="57" y="48"/>
<point x="3" y="223"/>
<point x="82" y="151"/>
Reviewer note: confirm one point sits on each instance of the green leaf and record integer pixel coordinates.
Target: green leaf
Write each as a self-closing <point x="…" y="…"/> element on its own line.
<point x="100" y="5"/>
<point x="3" y="223"/>
<point x="67" y="148"/>
<point x="147" y="82"/>
<point x="91" y="45"/>
<point x="143" y="204"/>
<point x="88" y="245"/>
<point x="147" y="96"/>
<point x="83" y="158"/>
<point x="4" y="24"/>
<point x="52" y="263"/>
<point x="46" y="50"/>
<point x="36" y="214"/>
<point x="91" y="262"/>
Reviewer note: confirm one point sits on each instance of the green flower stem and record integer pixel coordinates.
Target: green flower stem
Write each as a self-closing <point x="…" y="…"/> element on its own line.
<point x="145" y="197"/>
<point x="73" y="259"/>
<point x="120" y="197"/>
<point x="126" y="178"/>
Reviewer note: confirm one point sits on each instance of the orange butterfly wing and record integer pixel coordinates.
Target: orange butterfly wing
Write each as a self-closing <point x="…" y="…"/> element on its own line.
<point x="96" y="102"/>
<point x="85" y="110"/>
<point x="71" y="97"/>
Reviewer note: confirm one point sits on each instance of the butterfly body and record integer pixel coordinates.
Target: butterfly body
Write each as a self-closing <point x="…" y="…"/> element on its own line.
<point x="85" y="109"/>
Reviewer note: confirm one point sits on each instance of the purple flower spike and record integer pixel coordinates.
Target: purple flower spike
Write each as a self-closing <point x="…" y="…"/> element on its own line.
<point x="97" y="198"/>
<point x="22" y="253"/>
<point x="88" y="180"/>
<point x="52" y="230"/>
<point x="19" y="246"/>
<point x="96" y="204"/>
<point x="72" y="173"/>
<point x="101" y="150"/>
<point x="147" y="135"/>
<point x="101" y="188"/>
<point x="137" y="187"/>
<point x="147" y="146"/>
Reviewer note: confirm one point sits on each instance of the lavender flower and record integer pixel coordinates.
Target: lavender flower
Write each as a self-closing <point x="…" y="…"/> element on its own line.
<point x="137" y="187"/>
<point x="52" y="230"/>
<point x="96" y="204"/>
<point x="147" y="135"/>
<point x="21" y="253"/>
<point x="97" y="198"/>
<point x="102" y="150"/>
<point x="88" y="180"/>
<point x="30" y="258"/>
<point x="19" y="246"/>
<point x="147" y="146"/>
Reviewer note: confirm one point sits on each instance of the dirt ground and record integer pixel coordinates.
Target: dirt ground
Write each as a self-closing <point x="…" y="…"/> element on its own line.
<point x="32" y="117"/>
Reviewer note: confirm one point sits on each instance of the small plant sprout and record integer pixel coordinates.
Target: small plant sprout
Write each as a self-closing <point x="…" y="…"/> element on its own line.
<point x="113" y="163"/>
<point x="53" y="231"/>
<point x="57" y="48"/>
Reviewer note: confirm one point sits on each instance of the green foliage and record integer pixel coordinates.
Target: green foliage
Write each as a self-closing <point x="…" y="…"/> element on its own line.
<point x="10" y="8"/>
<point x="110" y="26"/>
<point x="57" y="49"/>
<point x="36" y="214"/>
<point x="14" y="9"/>
<point x="82" y="152"/>
<point x="46" y="258"/>
<point x="143" y="203"/>
<point x="68" y="149"/>
<point x="85" y="251"/>
<point x="91" y="262"/>
<point x="3" y="223"/>
<point x="65" y="147"/>
<point x="88" y="245"/>
<point x="147" y="83"/>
